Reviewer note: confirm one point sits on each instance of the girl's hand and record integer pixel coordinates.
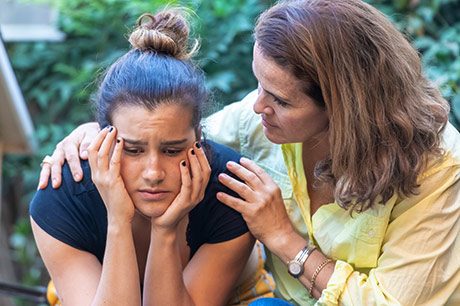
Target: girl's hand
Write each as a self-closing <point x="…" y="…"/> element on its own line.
<point x="195" y="178"/>
<point x="261" y="205"/>
<point x="105" y="173"/>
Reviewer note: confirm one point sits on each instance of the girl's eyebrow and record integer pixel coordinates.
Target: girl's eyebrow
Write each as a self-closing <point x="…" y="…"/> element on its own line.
<point x="135" y="142"/>
<point x="174" y="142"/>
<point x="163" y="143"/>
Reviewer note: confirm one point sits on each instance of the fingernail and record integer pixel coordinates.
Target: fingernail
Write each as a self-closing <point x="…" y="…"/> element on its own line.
<point x="198" y="145"/>
<point x="54" y="182"/>
<point x="183" y="163"/>
<point x="230" y="164"/>
<point x="223" y="176"/>
<point x="77" y="177"/>
<point x="84" y="154"/>
<point x="118" y="140"/>
<point x="193" y="152"/>
<point x="106" y="127"/>
<point x="111" y="129"/>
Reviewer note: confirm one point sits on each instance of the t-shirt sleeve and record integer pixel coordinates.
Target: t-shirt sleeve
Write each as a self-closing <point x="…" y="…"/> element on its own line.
<point x="223" y="223"/>
<point x="73" y="213"/>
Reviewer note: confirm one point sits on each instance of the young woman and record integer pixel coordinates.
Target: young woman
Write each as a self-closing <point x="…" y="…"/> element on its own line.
<point x="144" y="224"/>
<point x="371" y="215"/>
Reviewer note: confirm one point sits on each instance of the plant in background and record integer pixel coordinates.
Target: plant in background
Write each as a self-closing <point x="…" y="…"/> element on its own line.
<point x="434" y="28"/>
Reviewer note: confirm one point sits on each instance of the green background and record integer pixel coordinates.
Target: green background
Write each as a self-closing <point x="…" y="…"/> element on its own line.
<point x="57" y="78"/>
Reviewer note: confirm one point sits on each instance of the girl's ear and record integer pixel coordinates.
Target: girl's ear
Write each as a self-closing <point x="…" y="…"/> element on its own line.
<point x="198" y="132"/>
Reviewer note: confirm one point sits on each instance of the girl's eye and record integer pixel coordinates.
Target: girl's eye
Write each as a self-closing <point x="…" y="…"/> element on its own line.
<point x="173" y="152"/>
<point x="132" y="151"/>
<point x="280" y="102"/>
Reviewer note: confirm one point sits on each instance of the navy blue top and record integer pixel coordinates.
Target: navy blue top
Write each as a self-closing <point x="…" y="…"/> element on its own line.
<point x="76" y="215"/>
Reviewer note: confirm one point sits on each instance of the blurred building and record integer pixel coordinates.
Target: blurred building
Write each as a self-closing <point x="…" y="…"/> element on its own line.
<point x="22" y="21"/>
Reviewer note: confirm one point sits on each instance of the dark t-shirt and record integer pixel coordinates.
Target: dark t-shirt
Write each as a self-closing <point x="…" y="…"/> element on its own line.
<point x="76" y="215"/>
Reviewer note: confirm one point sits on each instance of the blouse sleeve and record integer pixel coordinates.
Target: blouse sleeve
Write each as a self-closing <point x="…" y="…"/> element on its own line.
<point x="420" y="256"/>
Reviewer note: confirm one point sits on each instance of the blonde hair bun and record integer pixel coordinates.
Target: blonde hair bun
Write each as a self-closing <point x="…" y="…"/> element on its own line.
<point x="166" y="32"/>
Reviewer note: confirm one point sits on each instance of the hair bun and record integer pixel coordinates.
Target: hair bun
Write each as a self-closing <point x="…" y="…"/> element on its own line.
<point x="166" y="32"/>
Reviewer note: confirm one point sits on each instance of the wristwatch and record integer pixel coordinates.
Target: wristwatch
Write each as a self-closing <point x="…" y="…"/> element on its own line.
<point x="295" y="266"/>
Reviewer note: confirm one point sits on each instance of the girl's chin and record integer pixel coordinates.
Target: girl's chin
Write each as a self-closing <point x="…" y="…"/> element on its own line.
<point x="151" y="212"/>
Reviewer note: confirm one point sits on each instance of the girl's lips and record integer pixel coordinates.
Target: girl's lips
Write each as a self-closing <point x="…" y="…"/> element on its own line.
<point x="153" y="195"/>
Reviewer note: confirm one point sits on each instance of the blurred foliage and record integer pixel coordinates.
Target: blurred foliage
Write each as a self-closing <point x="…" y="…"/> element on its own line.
<point x="434" y="28"/>
<point x="58" y="79"/>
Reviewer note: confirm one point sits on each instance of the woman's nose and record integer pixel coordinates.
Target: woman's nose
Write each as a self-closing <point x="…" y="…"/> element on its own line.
<point x="153" y="172"/>
<point x="261" y="106"/>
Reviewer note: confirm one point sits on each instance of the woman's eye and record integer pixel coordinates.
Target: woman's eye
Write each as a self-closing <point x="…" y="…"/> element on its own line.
<point x="280" y="102"/>
<point x="173" y="152"/>
<point x="132" y="151"/>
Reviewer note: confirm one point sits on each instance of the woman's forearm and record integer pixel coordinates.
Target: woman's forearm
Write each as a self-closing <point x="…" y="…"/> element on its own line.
<point x="164" y="283"/>
<point x="119" y="284"/>
<point x="287" y="245"/>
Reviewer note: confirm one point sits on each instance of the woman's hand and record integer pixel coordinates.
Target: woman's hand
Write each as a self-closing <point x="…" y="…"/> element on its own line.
<point x="195" y="178"/>
<point x="105" y="173"/>
<point x="261" y="205"/>
<point x="71" y="148"/>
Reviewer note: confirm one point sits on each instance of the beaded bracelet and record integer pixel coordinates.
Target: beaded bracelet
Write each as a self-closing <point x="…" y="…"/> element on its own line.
<point x="315" y="274"/>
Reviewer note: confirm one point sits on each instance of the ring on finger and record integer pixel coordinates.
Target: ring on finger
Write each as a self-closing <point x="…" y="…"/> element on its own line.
<point x="46" y="160"/>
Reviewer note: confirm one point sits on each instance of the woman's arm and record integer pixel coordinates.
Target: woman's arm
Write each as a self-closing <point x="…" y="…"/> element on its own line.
<point x="70" y="149"/>
<point x="79" y="277"/>
<point x="261" y="203"/>
<point x="207" y="279"/>
<point x="76" y="280"/>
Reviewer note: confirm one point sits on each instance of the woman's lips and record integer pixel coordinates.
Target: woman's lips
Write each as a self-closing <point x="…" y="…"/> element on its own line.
<point x="154" y="195"/>
<point x="266" y="124"/>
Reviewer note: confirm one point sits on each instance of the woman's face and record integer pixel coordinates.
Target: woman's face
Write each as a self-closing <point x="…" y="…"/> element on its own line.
<point x="155" y="142"/>
<point x="288" y="114"/>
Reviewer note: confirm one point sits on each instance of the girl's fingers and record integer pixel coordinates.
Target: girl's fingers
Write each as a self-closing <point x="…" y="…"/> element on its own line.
<point x="104" y="150"/>
<point x="93" y="148"/>
<point x="183" y="198"/>
<point x="204" y="163"/>
<point x="186" y="187"/>
<point x="116" y="156"/>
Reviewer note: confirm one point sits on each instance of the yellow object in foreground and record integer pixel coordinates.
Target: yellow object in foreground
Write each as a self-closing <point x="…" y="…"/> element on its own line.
<point x="51" y="295"/>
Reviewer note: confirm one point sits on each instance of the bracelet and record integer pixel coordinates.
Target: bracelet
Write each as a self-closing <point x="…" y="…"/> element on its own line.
<point x="315" y="274"/>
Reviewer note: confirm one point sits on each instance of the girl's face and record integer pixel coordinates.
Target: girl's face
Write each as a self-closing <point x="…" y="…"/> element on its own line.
<point x="288" y="114"/>
<point x="155" y="142"/>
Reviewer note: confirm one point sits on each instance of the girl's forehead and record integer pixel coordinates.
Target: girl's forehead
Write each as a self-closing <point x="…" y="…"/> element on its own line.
<point x="167" y="121"/>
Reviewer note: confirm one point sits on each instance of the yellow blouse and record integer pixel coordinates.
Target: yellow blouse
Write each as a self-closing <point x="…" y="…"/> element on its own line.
<point x="406" y="252"/>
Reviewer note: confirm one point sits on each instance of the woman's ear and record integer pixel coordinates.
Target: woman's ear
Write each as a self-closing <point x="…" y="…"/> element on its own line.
<point x="198" y="132"/>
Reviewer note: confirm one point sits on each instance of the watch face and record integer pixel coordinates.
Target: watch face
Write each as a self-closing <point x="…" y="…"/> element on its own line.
<point x="295" y="268"/>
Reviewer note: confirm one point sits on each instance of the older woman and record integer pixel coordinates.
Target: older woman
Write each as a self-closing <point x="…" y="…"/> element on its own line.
<point x="372" y="214"/>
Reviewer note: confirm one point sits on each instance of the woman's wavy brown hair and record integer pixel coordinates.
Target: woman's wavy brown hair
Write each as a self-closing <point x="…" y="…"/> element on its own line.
<point x="385" y="116"/>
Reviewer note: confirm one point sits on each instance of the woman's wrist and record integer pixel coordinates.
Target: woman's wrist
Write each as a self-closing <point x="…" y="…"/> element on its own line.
<point x="287" y="245"/>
